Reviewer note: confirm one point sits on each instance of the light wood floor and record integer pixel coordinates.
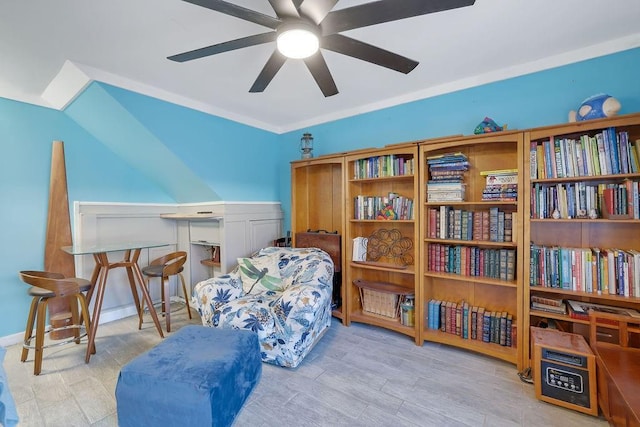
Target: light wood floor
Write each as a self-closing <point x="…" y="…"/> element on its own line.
<point x="356" y="376"/>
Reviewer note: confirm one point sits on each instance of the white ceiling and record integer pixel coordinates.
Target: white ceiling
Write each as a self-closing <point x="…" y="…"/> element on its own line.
<point x="126" y="42"/>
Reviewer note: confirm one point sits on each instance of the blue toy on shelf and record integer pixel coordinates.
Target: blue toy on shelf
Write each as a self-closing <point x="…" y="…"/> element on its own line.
<point x="596" y="107"/>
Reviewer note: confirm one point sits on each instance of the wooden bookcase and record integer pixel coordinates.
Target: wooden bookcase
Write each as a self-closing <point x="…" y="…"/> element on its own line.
<point x="388" y="277"/>
<point x="318" y="202"/>
<point x="477" y="288"/>
<point x="575" y="233"/>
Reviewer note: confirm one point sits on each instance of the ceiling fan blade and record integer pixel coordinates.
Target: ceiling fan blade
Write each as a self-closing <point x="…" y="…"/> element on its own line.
<point x="366" y="52"/>
<point x="381" y="11"/>
<point x="224" y="47"/>
<point x="271" y="68"/>
<point x="320" y="72"/>
<point x="238" y="11"/>
<point x="316" y="10"/>
<point x="284" y="8"/>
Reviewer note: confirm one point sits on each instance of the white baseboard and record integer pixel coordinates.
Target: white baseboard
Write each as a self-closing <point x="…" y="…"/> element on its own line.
<point x="105" y="317"/>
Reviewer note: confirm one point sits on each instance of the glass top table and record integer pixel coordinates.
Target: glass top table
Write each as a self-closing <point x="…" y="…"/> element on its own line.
<point x="111" y="247"/>
<point x="99" y="279"/>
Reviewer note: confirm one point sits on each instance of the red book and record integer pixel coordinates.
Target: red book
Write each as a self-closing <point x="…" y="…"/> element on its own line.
<point x="433" y="216"/>
<point x="607" y="195"/>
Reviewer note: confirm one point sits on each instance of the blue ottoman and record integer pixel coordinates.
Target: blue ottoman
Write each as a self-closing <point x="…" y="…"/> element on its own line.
<point x="199" y="376"/>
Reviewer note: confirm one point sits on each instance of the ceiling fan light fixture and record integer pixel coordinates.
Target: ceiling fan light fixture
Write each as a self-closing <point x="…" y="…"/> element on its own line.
<point x="297" y="41"/>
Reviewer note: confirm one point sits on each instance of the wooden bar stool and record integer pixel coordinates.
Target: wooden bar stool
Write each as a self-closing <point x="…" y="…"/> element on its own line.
<point x="169" y="265"/>
<point x="45" y="287"/>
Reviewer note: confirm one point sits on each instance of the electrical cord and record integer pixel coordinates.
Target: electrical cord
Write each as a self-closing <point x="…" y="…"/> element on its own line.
<point x="525" y="376"/>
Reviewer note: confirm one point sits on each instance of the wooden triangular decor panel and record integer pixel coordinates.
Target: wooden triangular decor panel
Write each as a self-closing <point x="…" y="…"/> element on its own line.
<point x="58" y="235"/>
<point x="58" y="219"/>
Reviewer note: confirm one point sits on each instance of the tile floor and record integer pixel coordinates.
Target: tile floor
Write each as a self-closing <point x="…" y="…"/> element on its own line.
<point x="355" y="376"/>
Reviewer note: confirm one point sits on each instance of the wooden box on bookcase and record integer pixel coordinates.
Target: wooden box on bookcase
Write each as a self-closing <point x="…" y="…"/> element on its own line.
<point x="318" y="203"/>
<point x="464" y="250"/>
<point x="569" y="179"/>
<point x="376" y="180"/>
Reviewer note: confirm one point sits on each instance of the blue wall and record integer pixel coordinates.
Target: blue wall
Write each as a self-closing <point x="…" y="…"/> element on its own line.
<point x="237" y="161"/>
<point x="539" y="99"/>
<point x="93" y="173"/>
<point x="234" y="161"/>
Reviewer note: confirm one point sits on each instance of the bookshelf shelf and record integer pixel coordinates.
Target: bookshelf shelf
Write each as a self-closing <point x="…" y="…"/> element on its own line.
<point x="385" y="221"/>
<point x="410" y="269"/>
<point x="600" y="246"/>
<point x="556" y="316"/>
<point x="384" y="178"/>
<point x="591" y="295"/>
<point x="609" y="177"/>
<point x="476" y="203"/>
<point x="366" y="198"/>
<point x="476" y="279"/>
<point x="441" y="255"/>
<point x="587" y="220"/>
<point x="394" y="325"/>
<point x="508" y="354"/>
<point x="210" y="263"/>
<point x="487" y="243"/>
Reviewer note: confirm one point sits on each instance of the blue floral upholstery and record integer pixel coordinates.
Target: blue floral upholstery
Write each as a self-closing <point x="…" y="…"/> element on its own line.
<point x="288" y="323"/>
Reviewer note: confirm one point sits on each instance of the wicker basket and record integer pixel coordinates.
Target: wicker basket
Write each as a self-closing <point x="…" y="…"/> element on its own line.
<point x="380" y="303"/>
<point x="381" y="299"/>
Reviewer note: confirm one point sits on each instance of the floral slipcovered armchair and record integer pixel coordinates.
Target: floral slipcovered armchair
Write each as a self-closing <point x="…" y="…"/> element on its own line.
<point x="282" y="294"/>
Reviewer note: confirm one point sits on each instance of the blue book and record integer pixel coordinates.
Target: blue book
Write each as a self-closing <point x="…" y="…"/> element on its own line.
<point x="550" y="159"/>
<point x="610" y="137"/>
<point x="565" y="268"/>
<point x="624" y="153"/>
<point x="620" y="260"/>
<point x="430" y="315"/>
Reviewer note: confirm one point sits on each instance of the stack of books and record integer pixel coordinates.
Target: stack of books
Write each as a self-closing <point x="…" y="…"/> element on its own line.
<point x="501" y="185"/>
<point x="446" y="183"/>
<point x="550" y="305"/>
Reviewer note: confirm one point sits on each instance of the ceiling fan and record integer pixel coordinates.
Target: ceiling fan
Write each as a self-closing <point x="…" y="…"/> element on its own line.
<point x="313" y="20"/>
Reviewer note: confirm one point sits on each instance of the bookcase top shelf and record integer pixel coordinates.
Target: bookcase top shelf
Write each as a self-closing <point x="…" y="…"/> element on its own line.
<point x="476" y="203"/>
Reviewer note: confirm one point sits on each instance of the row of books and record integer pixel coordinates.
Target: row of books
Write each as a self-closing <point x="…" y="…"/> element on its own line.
<point x="471" y="322"/>
<point x="582" y="199"/>
<point x="493" y="225"/>
<point x="500" y="185"/>
<point x="390" y="207"/>
<point x="605" y="153"/>
<point x="591" y="270"/>
<point x="383" y="166"/>
<point x="472" y="261"/>
<point x="576" y="309"/>
<point x="446" y="180"/>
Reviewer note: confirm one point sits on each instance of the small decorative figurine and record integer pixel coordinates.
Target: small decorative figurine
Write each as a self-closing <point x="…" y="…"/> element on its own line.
<point x="555" y="214"/>
<point x="488" y="126"/>
<point x="596" y="107"/>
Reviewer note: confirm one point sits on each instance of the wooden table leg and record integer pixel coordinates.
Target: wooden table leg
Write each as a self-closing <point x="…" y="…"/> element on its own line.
<point x="143" y="289"/>
<point x="132" y="282"/>
<point x="103" y="262"/>
<point x="99" y="280"/>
